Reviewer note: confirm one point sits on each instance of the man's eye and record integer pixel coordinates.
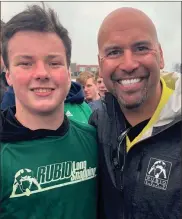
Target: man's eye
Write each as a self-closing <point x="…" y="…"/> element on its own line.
<point x="142" y="49"/>
<point x="114" y="53"/>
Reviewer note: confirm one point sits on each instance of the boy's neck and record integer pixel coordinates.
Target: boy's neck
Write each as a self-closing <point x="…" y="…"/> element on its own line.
<point x="40" y="121"/>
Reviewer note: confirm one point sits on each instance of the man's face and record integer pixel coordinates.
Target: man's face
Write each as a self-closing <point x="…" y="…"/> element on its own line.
<point x="90" y="90"/>
<point x="101" y="87"/>
<point x="38" y="71"/>
<point x="130" y="61"/>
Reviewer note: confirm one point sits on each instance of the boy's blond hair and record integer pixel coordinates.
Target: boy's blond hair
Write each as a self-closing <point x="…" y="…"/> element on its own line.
<point x="84" y="76"/>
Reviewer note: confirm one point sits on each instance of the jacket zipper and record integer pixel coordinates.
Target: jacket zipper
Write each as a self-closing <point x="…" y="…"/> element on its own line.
<point x="116" y="158"/>
<point x="118" y="166"/>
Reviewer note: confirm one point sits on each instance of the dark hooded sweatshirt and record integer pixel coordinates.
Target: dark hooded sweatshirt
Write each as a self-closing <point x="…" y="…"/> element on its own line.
<point x="47" y="174"/>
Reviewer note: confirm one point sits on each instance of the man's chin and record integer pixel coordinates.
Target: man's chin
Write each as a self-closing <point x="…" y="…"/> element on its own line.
<point x="132" y="105"/>
<point x="132" y="101"/>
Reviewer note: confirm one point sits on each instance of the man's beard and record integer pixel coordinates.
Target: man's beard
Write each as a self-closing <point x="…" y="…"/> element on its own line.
<point x="137" y="104"/>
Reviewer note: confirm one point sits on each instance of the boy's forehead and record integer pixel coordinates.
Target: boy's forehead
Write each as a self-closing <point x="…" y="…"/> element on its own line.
<point x="90" y="80"/>
<point x="35" y="36"/>
<point x="29" y="43"/>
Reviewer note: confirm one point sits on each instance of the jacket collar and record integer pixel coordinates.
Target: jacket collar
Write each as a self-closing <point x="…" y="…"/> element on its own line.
<point x="114" y="112"/>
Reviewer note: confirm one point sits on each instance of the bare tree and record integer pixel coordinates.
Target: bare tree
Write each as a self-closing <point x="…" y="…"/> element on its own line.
<point x="177" y="67"/>
<point x="43" y="5"/>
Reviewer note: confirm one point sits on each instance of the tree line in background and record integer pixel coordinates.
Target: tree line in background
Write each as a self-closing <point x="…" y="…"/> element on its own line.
<point x="177" y="67"/>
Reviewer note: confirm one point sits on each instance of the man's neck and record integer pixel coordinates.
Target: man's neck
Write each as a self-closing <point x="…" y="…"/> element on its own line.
<point x="40" y="121"/>
<point x="145" y="111"/>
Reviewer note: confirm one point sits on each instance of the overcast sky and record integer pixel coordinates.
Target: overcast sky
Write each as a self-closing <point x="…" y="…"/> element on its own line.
<point x="82" y="19"/>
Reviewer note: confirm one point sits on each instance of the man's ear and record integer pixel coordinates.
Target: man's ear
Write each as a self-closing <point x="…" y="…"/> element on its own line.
<point x="99" y="61"/>
<point x="8" y="78"/>
<point x="161" y="57"/>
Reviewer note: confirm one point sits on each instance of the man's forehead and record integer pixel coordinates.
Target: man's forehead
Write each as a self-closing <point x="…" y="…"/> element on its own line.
<point x="124" y="19"/>
<point x="118" y="39"/>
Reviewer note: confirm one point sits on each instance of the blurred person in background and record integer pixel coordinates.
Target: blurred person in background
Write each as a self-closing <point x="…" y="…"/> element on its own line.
<point x="100" y="85"/>
<point x="88" y="83"/>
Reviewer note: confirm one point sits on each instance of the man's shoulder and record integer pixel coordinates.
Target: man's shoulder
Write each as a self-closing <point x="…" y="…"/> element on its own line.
<point x="99" y="115"/>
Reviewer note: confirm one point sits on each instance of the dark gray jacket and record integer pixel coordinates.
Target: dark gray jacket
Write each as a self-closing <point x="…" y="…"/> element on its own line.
<point x="144" y="183"/>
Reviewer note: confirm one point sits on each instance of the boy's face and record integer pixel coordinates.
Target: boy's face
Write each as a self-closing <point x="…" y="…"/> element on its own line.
<point x="2" y="65"/>
<point x="2" y="62"/>
<point x="38" y="71"/>
<point x="101" y="86"/>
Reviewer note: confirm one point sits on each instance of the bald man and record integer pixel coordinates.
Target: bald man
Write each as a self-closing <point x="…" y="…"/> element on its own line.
<point x="138" y="125"/>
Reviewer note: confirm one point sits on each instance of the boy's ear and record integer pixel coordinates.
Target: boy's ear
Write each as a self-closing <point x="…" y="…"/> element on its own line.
<point x="8" y="78"/>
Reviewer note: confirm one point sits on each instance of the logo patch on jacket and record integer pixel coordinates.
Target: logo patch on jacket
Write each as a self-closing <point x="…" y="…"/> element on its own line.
<point x="158" y="173"/>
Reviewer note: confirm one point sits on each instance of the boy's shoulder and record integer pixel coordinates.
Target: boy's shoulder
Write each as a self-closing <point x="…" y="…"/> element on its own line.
<point x="83" y="127"/>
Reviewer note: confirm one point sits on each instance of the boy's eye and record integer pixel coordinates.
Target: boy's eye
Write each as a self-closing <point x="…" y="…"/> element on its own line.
<point x="55" y="64"/>
<point x="25" y="63"/>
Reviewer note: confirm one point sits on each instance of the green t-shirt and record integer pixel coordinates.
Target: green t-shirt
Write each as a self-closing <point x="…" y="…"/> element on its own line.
<point x="78" y="112"/>
<point x="50" y="178"/>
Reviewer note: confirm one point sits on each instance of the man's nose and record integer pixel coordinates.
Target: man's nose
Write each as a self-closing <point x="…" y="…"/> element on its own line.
<point x="128" y="61"/>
